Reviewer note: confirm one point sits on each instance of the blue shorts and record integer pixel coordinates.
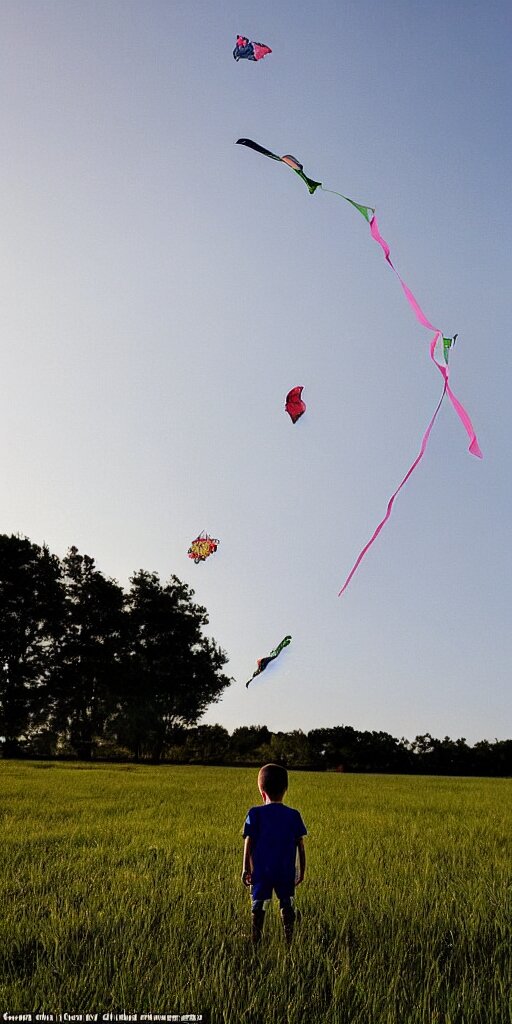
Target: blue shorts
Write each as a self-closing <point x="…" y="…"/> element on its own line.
<point x="261" y="893"/>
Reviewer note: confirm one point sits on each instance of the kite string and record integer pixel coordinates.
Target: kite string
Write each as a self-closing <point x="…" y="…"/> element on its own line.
<point x="399" y="488"/>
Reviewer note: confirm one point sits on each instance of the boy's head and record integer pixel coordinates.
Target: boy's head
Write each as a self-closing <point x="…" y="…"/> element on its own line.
<point x="273" y="780"/>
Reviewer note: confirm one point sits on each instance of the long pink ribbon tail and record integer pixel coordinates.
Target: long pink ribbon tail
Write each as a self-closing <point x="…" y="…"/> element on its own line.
<point x="393" y="496"/>
<point x="418" y="312"/>
<point x="474" y="447"/>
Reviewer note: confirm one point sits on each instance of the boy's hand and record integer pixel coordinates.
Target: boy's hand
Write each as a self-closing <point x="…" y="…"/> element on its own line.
<point x="247" y="878"/>
<point x="301" y="866"/>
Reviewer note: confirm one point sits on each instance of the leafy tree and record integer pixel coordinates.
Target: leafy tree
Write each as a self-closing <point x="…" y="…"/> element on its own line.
<point x="87" y="673"/>
<point x="31" y="609"/>
<point x="333" y="748"/>
<point x="503" y="757"/>
<point x="345" y="747"/>
<point x="246" y="742"/>
<point x="492" y="758"/>
<point x="290" y="749"/>
<point x="205" y="744"/>
<point x="379" y="752"/>
<point x="453" y="757"/>
<point x="172" y="672"/>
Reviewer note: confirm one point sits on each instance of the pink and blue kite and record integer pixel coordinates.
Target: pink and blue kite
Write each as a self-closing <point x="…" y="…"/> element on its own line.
<point x="246" y="48"/>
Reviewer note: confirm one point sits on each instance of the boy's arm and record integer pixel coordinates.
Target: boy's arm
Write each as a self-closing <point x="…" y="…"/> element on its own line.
<point x="247" y="864"/>
<point x="302" y="861"/>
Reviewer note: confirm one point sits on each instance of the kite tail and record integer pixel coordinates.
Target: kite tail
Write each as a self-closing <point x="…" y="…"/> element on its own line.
<point x="474" y="447"/>
<point x="393" y="496"/>
<point x="312" y="185"/>
<point x="418" y="312"/>
<point x="368" y="213"/>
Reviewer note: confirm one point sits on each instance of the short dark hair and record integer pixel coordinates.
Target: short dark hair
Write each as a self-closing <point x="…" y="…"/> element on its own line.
<point x="273" y="779"/>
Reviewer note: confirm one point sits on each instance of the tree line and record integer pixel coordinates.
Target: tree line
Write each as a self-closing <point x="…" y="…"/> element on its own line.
<point x="89" y="671"/>
<point x="343" y="748"/>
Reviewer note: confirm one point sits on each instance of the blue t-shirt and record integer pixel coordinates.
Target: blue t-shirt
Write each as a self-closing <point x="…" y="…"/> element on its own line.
<point x="275" y="830"/>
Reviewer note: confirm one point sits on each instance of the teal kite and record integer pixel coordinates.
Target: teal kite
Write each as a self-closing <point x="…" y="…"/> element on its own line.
<point x="263" y="662"/>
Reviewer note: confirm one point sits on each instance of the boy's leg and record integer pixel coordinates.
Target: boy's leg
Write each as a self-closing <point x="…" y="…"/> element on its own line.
<point x="287" y="917"/>
<point x="258" y="920"/>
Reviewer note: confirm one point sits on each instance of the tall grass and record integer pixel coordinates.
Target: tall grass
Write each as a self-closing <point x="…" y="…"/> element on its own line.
<point x="120" y="889"/>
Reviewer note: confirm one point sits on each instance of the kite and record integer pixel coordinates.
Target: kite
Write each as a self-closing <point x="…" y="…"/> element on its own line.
<point x="368" y="212"/>
<point x="263" y="662"/>
<point x="249" y="49"/>
<point x="447" y="344"/>
<point x="290" y="160"/>
<point x="294" y="406"/>
<point x="202" y="547"/>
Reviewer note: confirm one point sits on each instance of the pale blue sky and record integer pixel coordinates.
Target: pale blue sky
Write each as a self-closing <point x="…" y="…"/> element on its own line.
<point x="162" y="289"/>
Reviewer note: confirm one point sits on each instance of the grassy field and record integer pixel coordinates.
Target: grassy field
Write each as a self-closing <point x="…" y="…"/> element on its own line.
<point x="120" y="890"/>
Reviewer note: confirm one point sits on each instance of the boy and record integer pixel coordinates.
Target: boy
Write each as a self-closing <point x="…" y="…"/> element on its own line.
<point x="273" y="838"/>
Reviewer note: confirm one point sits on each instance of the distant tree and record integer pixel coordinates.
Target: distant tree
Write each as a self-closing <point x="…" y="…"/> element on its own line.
<point x="334" y="747"/>
<point x="86" y="677"/>
<point x="31" y="610"/>
<point x="291" y="749"/>
<point x="172" y="672"/>
<point x="275" y="751"/>
<point x="247" y="741"/>
<point x="483" y="758"/>
<point x="378" y="751"/>
<point x="453" y="757"/>
<point x="298" y="750"/>
<point x="205" y="744"/>
<point x="347" y="748"/>
<point x="492" y="758"/>
<point x="503" y="757"/>
<point x="422" y="749"/>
